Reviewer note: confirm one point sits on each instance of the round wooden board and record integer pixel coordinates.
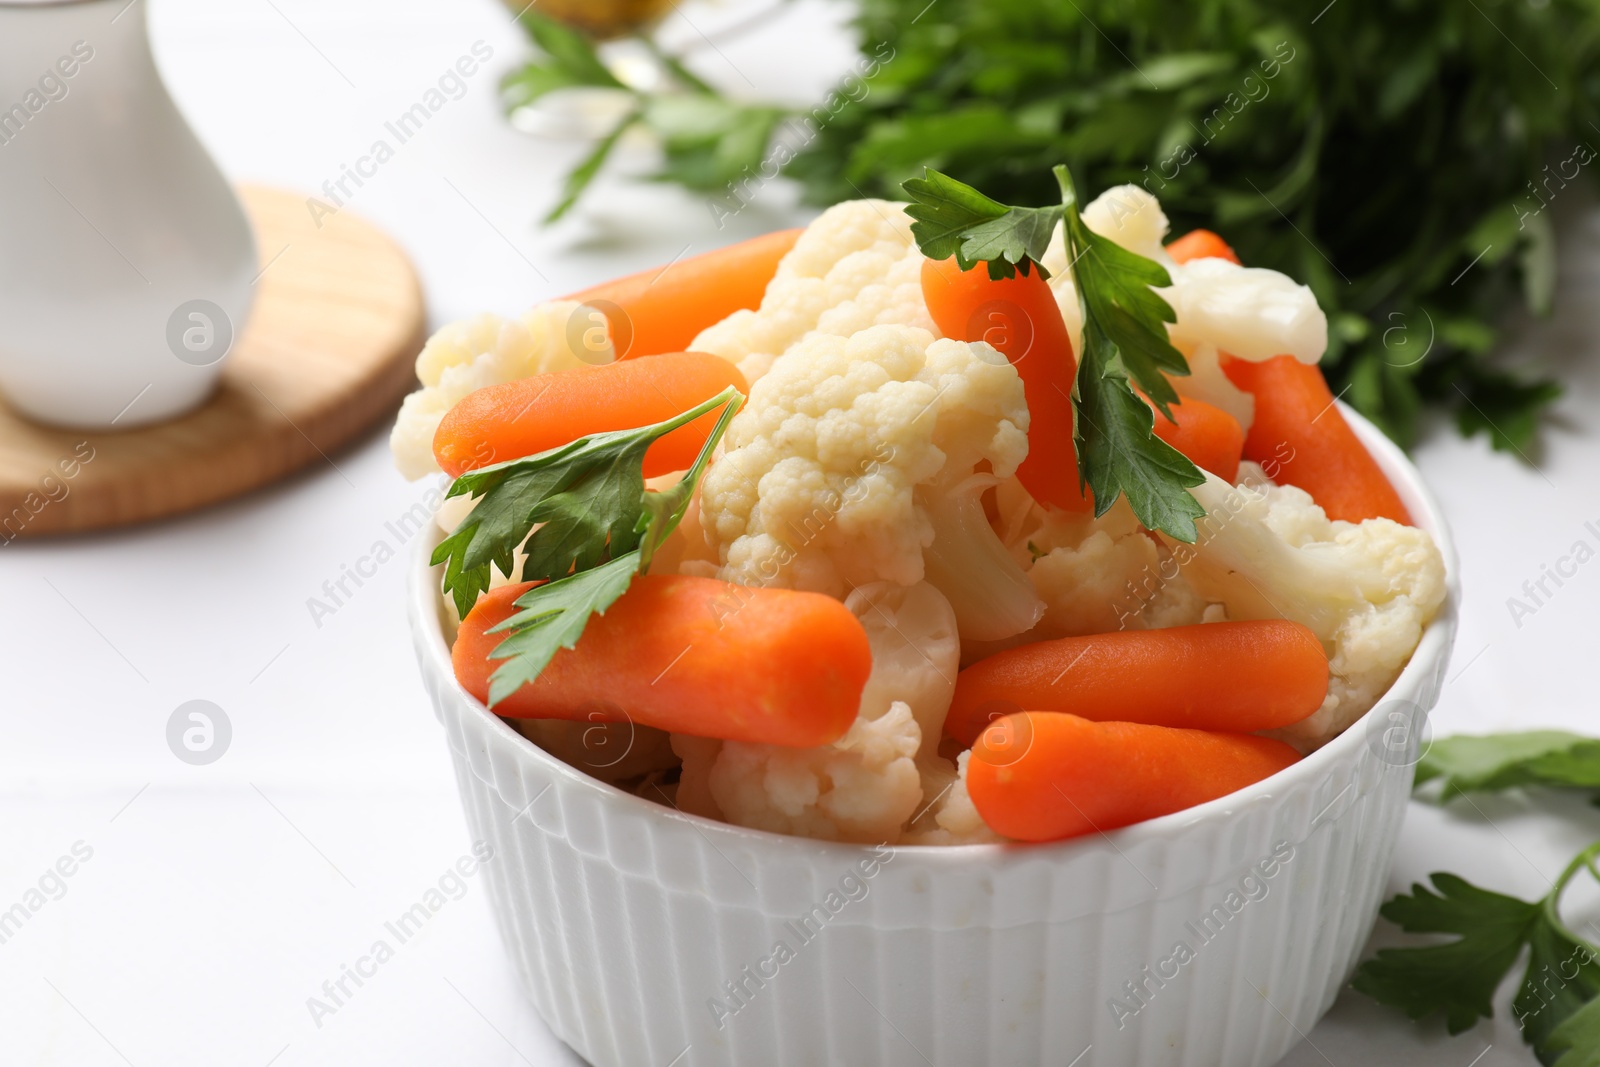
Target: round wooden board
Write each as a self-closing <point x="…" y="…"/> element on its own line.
<point x="328" y="350"/>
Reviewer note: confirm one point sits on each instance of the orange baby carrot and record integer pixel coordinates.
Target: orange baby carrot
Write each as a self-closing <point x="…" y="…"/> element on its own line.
<point x="1200" y="244"/>
<point x="1019" y="317"/>
<point x="1239" y="676"/>
<point x="664" y="308"/>
<point x="530" y="415"/>
<point x="690" y="655"/>
<point x="1296" y="417"/>
<point x="1211" y="438"/>
<point x="1044" y="776"/>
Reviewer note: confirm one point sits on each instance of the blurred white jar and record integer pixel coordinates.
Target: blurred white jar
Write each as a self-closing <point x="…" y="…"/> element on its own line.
<point x="126" y="261"/>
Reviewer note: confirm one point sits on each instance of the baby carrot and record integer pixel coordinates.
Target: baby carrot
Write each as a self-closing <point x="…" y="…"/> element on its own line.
<point x="1200" y="244"/>
<point x="1019" y="317"/>
<point x="693" y="656"/>
<point x="1211" y="438"/>
<point x="665" y="308"/>
<point x="530" y="415"/>
<point x="1044" y="776"/>
<point x="1296" y="416"/>
<point x="1239" y="676"/>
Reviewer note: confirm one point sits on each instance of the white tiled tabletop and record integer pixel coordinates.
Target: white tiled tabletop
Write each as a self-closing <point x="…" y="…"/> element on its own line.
<point x="217" y="900"/>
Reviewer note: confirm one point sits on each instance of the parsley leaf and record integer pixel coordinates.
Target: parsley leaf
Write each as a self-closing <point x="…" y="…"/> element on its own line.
<point x="1506" y="761"/>
<point x="1119" y="452"/>
<point x="583" y="518"/>
<point x="567" y="50"/>
<point x="1114" y="285"/>
<point x="1576" y="1042"/>
<point x="943" y="210"/>
<point x="589" y="494"/>
<point x="954" y="219"/>
<point x="1458" y="978"/>
<point x="1562" y="977"/>
<point x="552" y="618"/>
<point x="1556" y="1002"/>
<point x="1124" y="338"/>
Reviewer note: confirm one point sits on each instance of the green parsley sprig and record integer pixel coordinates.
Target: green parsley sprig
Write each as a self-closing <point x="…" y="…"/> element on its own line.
<point x="1558" y="1002"/>
<point x="587" y="525"/>
<point x="1311" y="139"/>
<point x="1124" y="337"/>
<point x="1507" y="761"/>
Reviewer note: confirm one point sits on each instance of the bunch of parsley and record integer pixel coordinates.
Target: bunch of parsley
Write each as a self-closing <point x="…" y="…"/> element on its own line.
<point x="1391" y="154"/>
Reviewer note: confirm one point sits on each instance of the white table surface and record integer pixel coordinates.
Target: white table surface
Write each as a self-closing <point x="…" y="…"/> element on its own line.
<point x="219" y="898"/>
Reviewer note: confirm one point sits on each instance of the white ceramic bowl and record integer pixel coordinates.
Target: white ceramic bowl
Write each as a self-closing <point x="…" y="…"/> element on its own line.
<point x="648" y="938"/>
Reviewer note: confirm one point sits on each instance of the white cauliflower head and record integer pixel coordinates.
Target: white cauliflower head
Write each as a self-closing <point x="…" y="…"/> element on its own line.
<point x="950" y="817"/>
<point x="488" y="350"/>
<point x="916" y="653"/>
<point x="1247" y="312"/>
<point x="855" y="266"/>
<point x="1365" y="589"/>
<point x="855" y="454"/>
<point x="1132" y="217"/>
<point x="863" y="787"/>
<point x="1095" y="575"/>
<point x="1099" y="575"/>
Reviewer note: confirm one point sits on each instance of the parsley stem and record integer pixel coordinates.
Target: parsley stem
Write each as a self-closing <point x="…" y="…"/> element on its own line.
<point x="1552" y="901"/>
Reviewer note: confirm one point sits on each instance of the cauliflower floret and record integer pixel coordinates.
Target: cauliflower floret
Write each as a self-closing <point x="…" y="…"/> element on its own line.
<point x="487" y="350"/>
<point x="1098" y="580"/>
<point x="1365" y="589"/>
<point x="856" y="454"/>
<point x="855" y="266"/>
<point x="1132" y="217"/>
<point x="915" y="654"/>
<point x="862" y="787"/>
<point x="951" y="819"/>
<point x="1247" y="312"/>
<point x="1094" y="575"/>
